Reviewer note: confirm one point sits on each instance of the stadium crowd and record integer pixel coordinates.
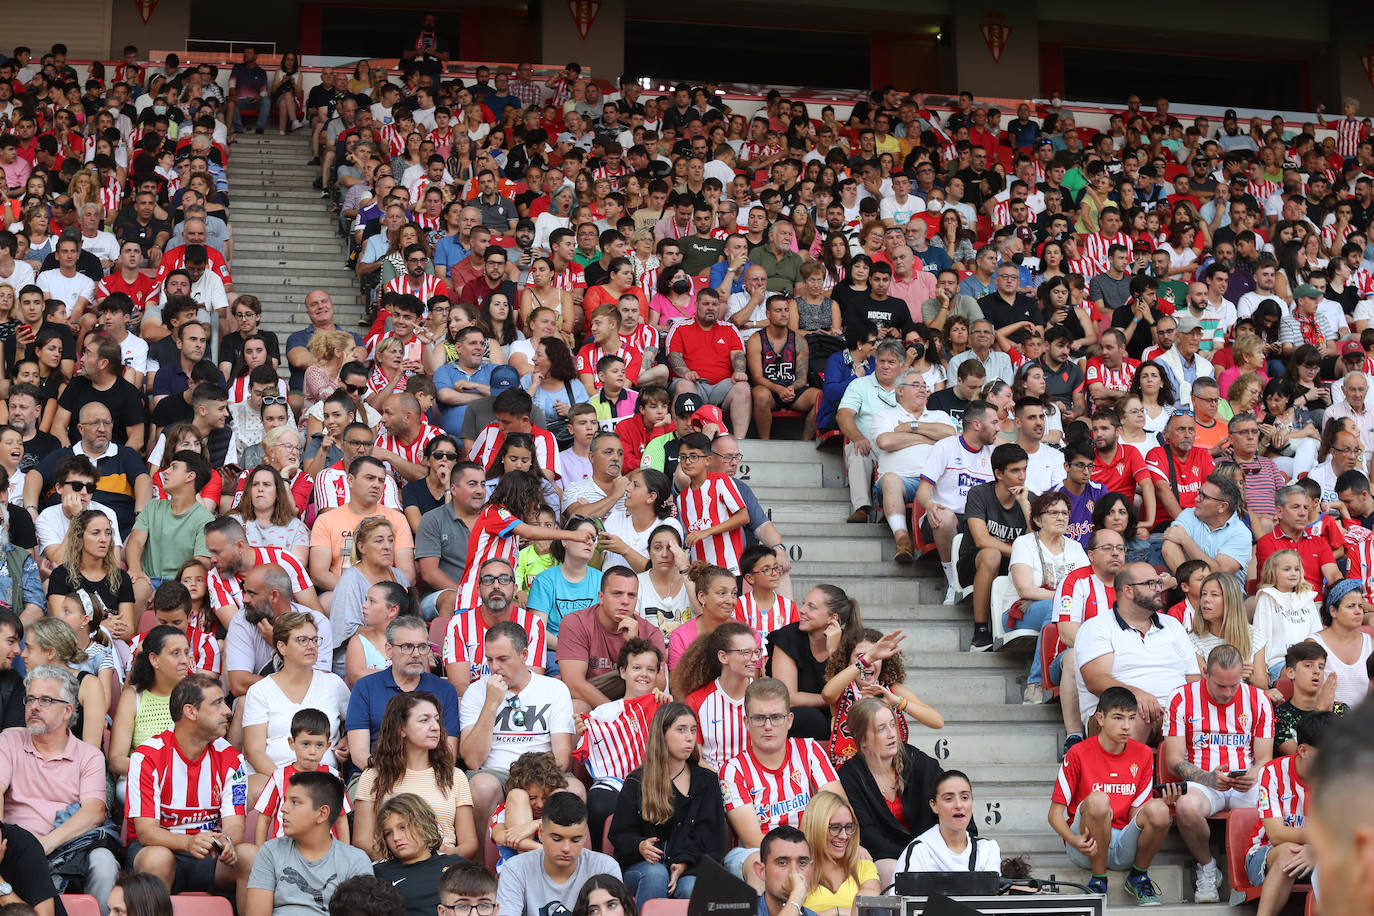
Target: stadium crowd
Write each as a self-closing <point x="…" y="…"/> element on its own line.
<point x="477" y="593"/>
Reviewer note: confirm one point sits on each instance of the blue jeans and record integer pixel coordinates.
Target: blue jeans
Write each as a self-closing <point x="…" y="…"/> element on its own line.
<point x="649" y="881"/>
<point x="264" y="106"/>
<point x="1037" y="615"/>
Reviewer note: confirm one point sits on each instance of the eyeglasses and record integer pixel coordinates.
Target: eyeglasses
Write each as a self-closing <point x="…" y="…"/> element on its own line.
<point x="842" y="829"/>
<point x="410" y="648"/>
<point x="689" y="459"/>
<point x="733" y="459"/>
<point x="1110" y="548"/>
<point x="445" y="456"/>
<point x="1344" y="451"/>
<point x="99" y="424"/>
<point x="79" y="486"/>
<point x="290" y="447"/>
<point x="467" y="909"/>
<point x="358" y="443"/>
<point x="747" y="653"/>
<point x="1081" y="465"/>
<point x="766" y="570"/>
<point x="306" y="642"/>
<point x="273" y="399"/>
<point x="1202" y="494"/>
<point x="43" y="702"/>
<point x="504" y="579"/>
<point x="1152" y="584"/>
<point x="1216" y="400"/>
<point x="1063" y="513"/>
<point x="356" y="389"/>
<point x="777" y="718"/>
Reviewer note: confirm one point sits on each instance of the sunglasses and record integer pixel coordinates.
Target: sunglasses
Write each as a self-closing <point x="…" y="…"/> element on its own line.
<point x="79" y="486"/>
<point x="273" y="399"/>
<point x="356" y="389"/>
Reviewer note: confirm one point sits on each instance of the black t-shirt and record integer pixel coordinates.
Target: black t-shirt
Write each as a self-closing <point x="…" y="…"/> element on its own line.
<point x="122" y="398"/>
<point x="698" y="254"/>
<point x="1001" y="313"/>
<point x="793" y="643"/>
<point x="131" y="230"/>
<point x="11" y="715"/>
<point x="595" y="274"/>
<point x="37" y="448"/>
<point x="61" y="584"/>
<point x="416" y="493"/>
<point x="888" y="313"/>
<point x="1142" y="336"/>
<point x="422" y="889"/>
<point x="1003" y="523"/>
<point x="22" y="531"/>
<point x="846" y="297"/>
<point x="947" y="400"/>
<point x="231" y="347"/>
<point x="172" y="409"/>
<point x="25" y="867"/>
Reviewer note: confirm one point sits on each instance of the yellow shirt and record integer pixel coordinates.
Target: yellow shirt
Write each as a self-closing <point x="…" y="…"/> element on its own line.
<point x="822" y="898"/>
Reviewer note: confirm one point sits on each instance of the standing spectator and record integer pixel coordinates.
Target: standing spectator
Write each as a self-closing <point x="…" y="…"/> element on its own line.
<point x="996" y="513"/>
<point x="711" y="507"/>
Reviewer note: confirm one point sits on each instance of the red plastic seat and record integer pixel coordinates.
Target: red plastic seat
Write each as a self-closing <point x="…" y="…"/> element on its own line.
<point x="80" y="905"/>
<point x="664" y="908"/>
<point x="437" y="629"/>
<point x="1284" y="685"/>
<point x="1239" y="828"/>
<point x="146" y="621"/>
<point x="200" y="905"/>
<point x="1049" y="638"/>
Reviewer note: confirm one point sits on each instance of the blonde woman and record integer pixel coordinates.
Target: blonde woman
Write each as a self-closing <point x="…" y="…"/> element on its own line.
<point x="1220" y="618"/>
<point x="331" y="349"/>
<point x="50" y="641"/>
<point x="838" y="873"/>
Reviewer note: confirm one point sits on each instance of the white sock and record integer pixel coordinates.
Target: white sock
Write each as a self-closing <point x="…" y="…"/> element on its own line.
<point x="1209" y="867"/>
<point x="897" y="521"/>
<point x="950" y="575"/>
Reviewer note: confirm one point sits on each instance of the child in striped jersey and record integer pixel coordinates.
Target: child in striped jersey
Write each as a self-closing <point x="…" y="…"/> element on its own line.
<point x="514" y="824"/>
<point x="869" y="664"/>
<point x="309" y="740"/>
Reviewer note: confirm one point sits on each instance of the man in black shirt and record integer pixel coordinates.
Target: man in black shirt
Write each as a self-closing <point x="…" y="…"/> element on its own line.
<point x="142" y="225"/>
<point x="101" y="380"/>
<point x="176" y="408"/>
<point x="969" y="378"/>
<point x="888" y="313"/>
<point x="979" y="183"/>
<point x="25" y="404"/>
<point x="1007" y="306"/>
<point x="995" y="514"/>
<point x="1138" y="317"/>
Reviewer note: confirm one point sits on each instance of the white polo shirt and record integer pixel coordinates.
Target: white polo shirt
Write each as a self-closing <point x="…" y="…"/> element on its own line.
<point x="1159" y="660"/>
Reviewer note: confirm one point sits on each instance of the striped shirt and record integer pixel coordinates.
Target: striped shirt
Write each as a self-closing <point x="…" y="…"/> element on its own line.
<point x="1219" y="735"/>
<point x="269" y="802"/>
<point x="1282" y="794"/>
<point x="615" y="736"/>
<point x="491" y="537"/>
<point x="465" y="632"/>
<point x="1359" y="555"/>
<point x="709" y="505"/>
<point x="1094" y="247"/>
<point x="782" y="612"/>
<point x="332" y="491"/>
<point x="488" y="444"/>
<point x="185" y="796"/>
<point x="641" y="338"/>
<point x="1079" y="597"/>
<point x="429" y="287"/>
<point x="1349" y="133"/>
<point x="415" y="451"/>
<point x="720" y="724"/>
<point x="226" y="591"/>
<point x="1112" y="379"/>
<point x="777" y="797"/>
<point x="568" y="279"/>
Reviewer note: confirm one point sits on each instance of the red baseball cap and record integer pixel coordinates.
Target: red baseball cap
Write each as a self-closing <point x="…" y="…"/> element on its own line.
<point x="708" y="414"/>
<point x="1351" y="347"/>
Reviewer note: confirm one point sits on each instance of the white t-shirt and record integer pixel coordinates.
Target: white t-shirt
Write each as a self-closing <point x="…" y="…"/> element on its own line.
<point x="1160" y="663"/>
<point x="910" y="461"/>
<point x="1071" y="557"/>
<point x="266" y="704"/>
<point x="619" y="524"/>
<point x="929" y="852"/>
<point x="546" y="707"/>
<point x="954" y="470"/>
<point x="68" y="289"/>
<point x="1045" y="468"/>
<point x="103" y="246"/>
<point x="737" y="303"/>
<point x="1246" y="305"/>
<point x="20" y="277"/>
<point x="134" y="352"/>
<point x="901" y="214"/>
<point x="52" y="524"/>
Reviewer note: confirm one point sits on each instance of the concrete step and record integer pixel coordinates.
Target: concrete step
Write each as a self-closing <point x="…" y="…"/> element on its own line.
<point x="287" y="217"/>
<point x="974" y="742"/>
<point x="298" y="274"/>
<point x="868" y="589"/>
<point x="268" y="249"/>
<point x="838" y="549"/>
<point x="772" y="494"/>
<point x="267" y="203"/>
<point x="270" y="190"/>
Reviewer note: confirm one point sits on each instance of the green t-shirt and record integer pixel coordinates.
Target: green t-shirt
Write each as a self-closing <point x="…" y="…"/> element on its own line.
<point x="1075" y="181"/>
<point x="172" y="539"/>
<point x="529" y="564"/>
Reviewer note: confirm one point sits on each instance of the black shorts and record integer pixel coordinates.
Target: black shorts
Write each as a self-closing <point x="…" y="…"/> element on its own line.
<point x="965" y="566"/>
<point x="779" y="405"/>
<point x="192" y="874"/>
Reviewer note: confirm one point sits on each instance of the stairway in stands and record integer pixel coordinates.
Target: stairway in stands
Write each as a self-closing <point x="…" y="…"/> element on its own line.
<point x="285" y="243"/>
<point x="1010" y="751"/>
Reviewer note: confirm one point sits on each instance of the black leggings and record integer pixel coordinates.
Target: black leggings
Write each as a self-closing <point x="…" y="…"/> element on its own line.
<point x="601" y="802"/>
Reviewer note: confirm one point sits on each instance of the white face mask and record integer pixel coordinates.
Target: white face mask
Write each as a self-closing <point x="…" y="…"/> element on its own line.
<point x="935" y="206"/>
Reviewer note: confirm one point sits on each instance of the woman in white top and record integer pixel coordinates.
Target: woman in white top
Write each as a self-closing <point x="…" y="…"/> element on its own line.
<point x="948" y="846"/>
<point x="1220" y="619"/>
<point x="1040" y="559"/>
<point x="1347" y="646"/>
<point x="1131" y="412"/>
<point x="556" y="217"/>
<point x="273" y="701"/>
<point x="665" y="597"/>
<point x="1151" y="384"/>
<point x="648" y="506"/>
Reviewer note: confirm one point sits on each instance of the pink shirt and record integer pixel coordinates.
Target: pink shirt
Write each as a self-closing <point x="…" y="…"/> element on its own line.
<point x="16" y="173"/>
<point x="915" y="291"/>
<point x="37" y="789"/>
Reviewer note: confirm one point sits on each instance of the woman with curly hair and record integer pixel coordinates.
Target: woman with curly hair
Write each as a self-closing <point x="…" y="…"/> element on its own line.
<point x="413" y="755"/>
<point x="869" y="664"/>
<point x="713" y="673"/>
<point x="409" y="839"/>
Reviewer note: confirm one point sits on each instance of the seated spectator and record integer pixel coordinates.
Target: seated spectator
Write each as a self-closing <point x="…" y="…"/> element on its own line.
<point x="533" y="880"/>
<point x="1106" y="823"/>
<point x="1281" y="853"/>
<point x="309" y="740"/>
<point x="949" y="845"/>
<point x="995" y="515"/>
<point x="408" y="650"/>
<point x="334" y="530"/>
<point x="1291" y="532"/>
<point x="192" y="843"/>
<point x="1040" y="560"/>
<point x="905" y="436"/>
<point x="1177" y="469"/>
<point x="24" y="870"/>
<point x="668" y="814"/>
<point x="101" y="381"/>
<point x="374" y="551"/>
<point x="591" y="639"/>
<point x="47" y="771"/>
<point x="1120" y="467"/>
<point x="778" y="358"/>
<point x="412" y="756"/>
<point x="410" y="840"/>
<point x="1182" y="363"/>
<point x="161" y="662"/>
<point x="855" y="360"/>
<point x="1347" y="645"/>
<point x="996" y="364"/>
<point x="602" y="493"/>
<point x="1212" y="531"/>
<point x="466" y="884"/>
<point x="170" y="531"/>
<point x="707" y="359"/>
<point x="1262" y="475"/>
<point x="710" y="505"/>
<point x="1220" y="619"/>
<point x="1081" y="595"/>
<point x="121" y="482"/>
<point x="267" y="593"/>
<point x="867" y="662"/>
<point x="1220" y="734"/>
<point x="366" y="653"/>
<point x="838" y="873"/>
<point x="300" y="870"/>
<point x="754" y="804"/>
<point x="135" y="894"/>
<point x="1083" y="492"/>
<point x="51" y="643"/>
<point x="1135" y="648"/>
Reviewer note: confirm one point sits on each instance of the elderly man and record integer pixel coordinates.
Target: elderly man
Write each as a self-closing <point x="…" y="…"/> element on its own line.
<point x="778" y="259"/>
<point x="912" y="285"/>
<point x="410" y="654"/>
<point x="707" y="358"/>
<point x="1211" y="531"/>
<point x="996" y="364"/>
<point x="1355" y="387"/>
<point x="1219" y="733"/>
<point x="863" y="400"/>
<point x="1291" y="533"/>
<point x="1262" y="475"/>
<point x="1182" y="362"/>
<point x="1136" y="647"/>
<point x="1010" y="310"/>
<point x="1177" y="469"/>
<point x="905" y="435"/>
<point x="1345" y="455"/>
<point x="1306" y="324"/>
<point x="46" y="771"/>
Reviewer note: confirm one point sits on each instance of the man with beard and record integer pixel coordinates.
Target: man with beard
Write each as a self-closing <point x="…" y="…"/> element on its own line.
<point x="267" y="592"/>
<point x="464" y="663"/>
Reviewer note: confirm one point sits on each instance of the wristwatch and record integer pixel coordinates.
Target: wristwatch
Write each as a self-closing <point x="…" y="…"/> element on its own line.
<point x="6" y="889"/>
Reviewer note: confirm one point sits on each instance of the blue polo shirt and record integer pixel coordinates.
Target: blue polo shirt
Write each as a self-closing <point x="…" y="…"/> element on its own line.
<point x="367" y="705"/>
<point x="1232" y="538"/>
<point x="451" y="417"/>
<point x="447" y="252"/>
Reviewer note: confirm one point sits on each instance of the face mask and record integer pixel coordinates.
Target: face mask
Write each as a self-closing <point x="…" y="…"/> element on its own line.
<point x="1017" y="258"/>
<point x="917" y="349"/>
<point x="935" y="206"/>
<point x="681" y="286"/>
<point x="159" y="109"/>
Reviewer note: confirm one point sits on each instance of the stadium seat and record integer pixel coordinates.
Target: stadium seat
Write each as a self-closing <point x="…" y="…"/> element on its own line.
<point x="664" y="908"/>
<point x="437" y="628"/>
<point x="146" y="621"/>
<point x="1239" y="828"/>
<point x="1003" y="597"/>
<point x="1049" y="638"/>
<point x="80" y="905"/>
<point x="1311" y="908"/>
<point x="489" y="852"/>
<point x="201" y="905"/>
<point x="1162" y="772"/>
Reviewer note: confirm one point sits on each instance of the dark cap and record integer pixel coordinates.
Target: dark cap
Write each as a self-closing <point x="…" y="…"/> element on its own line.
<point x="525" y="223"/>
<point x="686" y="404"/>
<point x="503" y="378"/>
<point x="1229" y="113"/>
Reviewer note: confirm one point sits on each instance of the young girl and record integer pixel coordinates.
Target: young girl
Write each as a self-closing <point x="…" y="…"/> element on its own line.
<point x="83" y="614"/>
<point x="869" y="664"/>
<point x="572" y="583"/>
<point x="195" y="577"/>
<point x="515" y="822"/>
<point x="517" y="453"/>
<point x="1285" y="609"/>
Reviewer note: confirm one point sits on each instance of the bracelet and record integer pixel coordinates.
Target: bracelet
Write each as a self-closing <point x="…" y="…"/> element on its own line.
<point x="860" y="661"/>
<point x="901" y="707"/>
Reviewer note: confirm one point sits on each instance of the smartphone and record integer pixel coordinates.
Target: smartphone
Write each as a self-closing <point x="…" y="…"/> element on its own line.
<point x="218" y="846"/>
<point x="26" y="328"/>
<point x="1158" y="790"/>
<point x="1236" y="774"/>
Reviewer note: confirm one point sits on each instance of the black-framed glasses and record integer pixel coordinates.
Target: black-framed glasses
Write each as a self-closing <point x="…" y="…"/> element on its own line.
<point x="445" y="456"/>
<point x="777" y="718"/>
<point x="503" y="579"/>
<point x="410" y="648"/>
<point x="1152" y="584"/>
<point x="358" y="443"/>
<point x="43" y="702"/>
<point x="467" y="909"/>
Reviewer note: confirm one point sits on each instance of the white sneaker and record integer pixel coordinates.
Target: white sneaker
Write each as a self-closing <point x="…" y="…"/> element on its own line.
<point x="1033" y="695"/>
<point x="951" y="596"/>
<point x="1205" y="887"/>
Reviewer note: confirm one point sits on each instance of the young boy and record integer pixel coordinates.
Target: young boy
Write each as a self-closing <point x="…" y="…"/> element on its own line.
<point x="470" y="886"/>
<point x="315" y="862"/>
<point x="172" y="608"/>
<point x="1279" y="852"/>
<point x="650" y="422"/>
<point x="761" y="607"/>
<point x="606" y="340"/>
<point x="539" y="881"/>
<point x="1319" y="524"/>
<point x="1082" y="490"/>
<point x="1305" y="665"/>
<point x="710" y="507"/>
<point x="309" y="740"/>
<point x="514" y="825"/>
<point x="576" y="459"/>
<point x="168" y="532"/>
<point x="1101" y="804"/>
<point x="614" y="401"/>
<point x="1190" y="574"/>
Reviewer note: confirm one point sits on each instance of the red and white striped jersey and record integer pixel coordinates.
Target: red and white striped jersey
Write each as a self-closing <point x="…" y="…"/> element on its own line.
<point x="395" y="143"/>
<point x="709" y="505"/>
<point x="424" y="221"/>
<point x="185" y="796"/>
<point x="1333" y="238"/>
<point x="492" y="536"/>
<point x="429" y="287"/>
<point x="204" y="649"/>
<point x="331" y="489"/>
<point x="1113" y="379"/>
<point x="176" y="258"/>
<point x="464" y="634"/>
<point x="110" y="198"/>
<point x="269" y="802"/>
<point x="783" y="612"/>
<point x="568" y="279"/>
<point x="1081" y="596"/>
<point x="1094" y="246"/>
<point x="239" y="389"/>
<point x="721" y="730"/>
<point x="1364" y="281"/>
<point x="378" y="380"/>
<point x="1219" y="736"/>
<point x="415" y="451"/>
<point x="1282" y="794"/>
<point x="225" y="591"/>
<point x="751" y="150"/>
<point x="615" y="736"/>
<point x="1081" y="266"/>
<point x="648" y="281"/>
<point x="1262" y="190"/>
<point x="778" y="796"/>
<point x="590" y="355"/>
<point x="1349" y="133"/>
<point x="443" y="140"/>
<point x="488" y="443"/>
<point x="606" y="171"/>
<point x="641" y="338"/>
<point x="1359" y="555"/>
